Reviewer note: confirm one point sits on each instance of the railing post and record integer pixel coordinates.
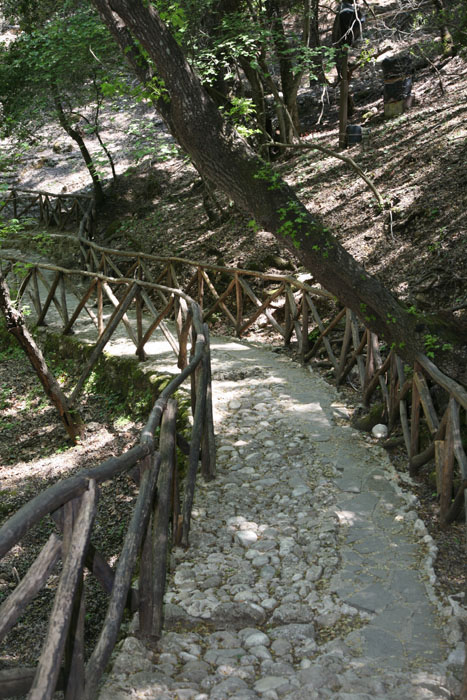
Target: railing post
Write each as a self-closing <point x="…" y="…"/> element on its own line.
<point x="45" y="680"/>
<point x="100" y="309"/>
<point x="414" y="420"/>
<point x="446" y="469"/>
<point x="305" y="341"/>
<point x="208" y="448"/>
<point x="200" y="287"/>
<point x="162" y="514"/>
<point x="239" y="302"/>
<point x="195" y="444"/>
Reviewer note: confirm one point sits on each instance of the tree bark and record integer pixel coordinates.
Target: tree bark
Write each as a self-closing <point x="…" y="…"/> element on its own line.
<point x="16" y="326"/>
<point x="225" y="158"/>
<point x="76" y="136"/>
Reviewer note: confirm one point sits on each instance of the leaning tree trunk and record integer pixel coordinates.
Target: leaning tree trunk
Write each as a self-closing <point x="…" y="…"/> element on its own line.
<point x="76" y="136"/>
<point x="225" y="158"/>
<point x="16" y="326"/>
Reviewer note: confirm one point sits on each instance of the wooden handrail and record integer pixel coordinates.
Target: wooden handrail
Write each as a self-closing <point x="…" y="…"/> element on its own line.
<point x="61" y="498"/>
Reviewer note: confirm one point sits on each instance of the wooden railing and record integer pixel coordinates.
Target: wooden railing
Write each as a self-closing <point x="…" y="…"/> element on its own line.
<point x="424" y="409"/>
<point x="61" y="211"/>
<point x="421" y="404"/>
<point x="73" y="505"/>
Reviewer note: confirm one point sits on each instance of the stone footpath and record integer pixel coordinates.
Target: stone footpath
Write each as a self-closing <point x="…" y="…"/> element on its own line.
<point x="309" y="575"/>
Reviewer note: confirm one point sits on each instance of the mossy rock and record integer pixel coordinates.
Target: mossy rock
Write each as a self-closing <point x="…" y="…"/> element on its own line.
<point x="366" y="422"/>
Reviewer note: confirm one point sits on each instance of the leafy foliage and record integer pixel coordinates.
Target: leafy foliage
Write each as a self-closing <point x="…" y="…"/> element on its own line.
<point x="70" y="51"/>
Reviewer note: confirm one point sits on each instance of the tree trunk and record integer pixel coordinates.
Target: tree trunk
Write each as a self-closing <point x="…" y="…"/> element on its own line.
<point x="16" y="326"/>
<point x="76" y="136"/>
<point x="289" y="82"/>
<point x="225" y="158"/>
<point x="445" y="35"/>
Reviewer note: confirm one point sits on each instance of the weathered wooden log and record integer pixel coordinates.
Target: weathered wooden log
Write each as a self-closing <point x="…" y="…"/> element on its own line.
<point x="100" y="309"/>
<point x="82" y="304"/>
<point x="30" y="585"/>
<point x="239" y="304"/>
<point x="61" y="492"/>
<point x="452" y="387"/>
<point x="139" y="327"/>
<point x="63" y="301"/>
<point x="162" y="514"/>
<point x="372" y="384"/>
<point x="219" y="298"/>
<point x="103" y="340"/>
<point x="184" y="336"/>
<point x="374" y="343"/>
<point x="456" y="432"/>
<point x="74" y="646"/>
<point x="24" y="283"/>
<point x="196" y="437"/>
<point x="304" y="346"/>
<point x="370" y="361"/>
<point x="426" y="401"/>
<point x="403" y="405"/>
<point x="354" y="358"/>
<point x="200" y="280"/>
<point x="52" y="297"/>
<point x="16" y="326"/>
<point x="324" y="333"/>
<point x="357" y="342"/>
<point x="414" y="422"/>
<point x="457" y="504"/>
<point x="152" y="327"/>
<point x="45" y="680"/>
<point x="96" y="563"/>
<point x="165" y="312"/>
<point x="124" y="318"/>
<point x="429" y="452"/>
<point x="447" y="469"/>
<point x="220" y="302"/>
<point x="334" y="322"/>
<point x="15" y="682"/>
<point x="208" y="451"/>
<point x="399" y="395"/>
<point x="123" y="574"/>
<point x="261" y="307"/>
<point x="295" y="315"/>
<point x="343" y="98"/>
<point x="36" y="297"/>
<point x="146" y="564"/>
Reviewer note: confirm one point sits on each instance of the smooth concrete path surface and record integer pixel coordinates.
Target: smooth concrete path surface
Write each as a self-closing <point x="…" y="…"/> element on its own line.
<point x="309" y="574"/>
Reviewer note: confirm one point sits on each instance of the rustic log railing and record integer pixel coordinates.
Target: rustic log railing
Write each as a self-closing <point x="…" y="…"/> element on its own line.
<point x="157" y="517"/>
<point x="55" y="210"/>
<point x="428" y="408"/>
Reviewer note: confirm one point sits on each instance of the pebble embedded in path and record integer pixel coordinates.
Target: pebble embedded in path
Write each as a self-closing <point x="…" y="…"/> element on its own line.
<point x="308" y="574"/>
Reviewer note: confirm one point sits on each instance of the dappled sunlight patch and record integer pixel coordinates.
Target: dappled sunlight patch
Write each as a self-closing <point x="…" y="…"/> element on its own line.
<point x="347" y="517"/>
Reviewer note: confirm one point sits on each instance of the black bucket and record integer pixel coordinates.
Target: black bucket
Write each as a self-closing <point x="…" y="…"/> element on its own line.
<point x="354" y="134"/>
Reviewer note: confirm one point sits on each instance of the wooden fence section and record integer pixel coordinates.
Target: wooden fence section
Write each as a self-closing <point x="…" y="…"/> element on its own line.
<point x="161" y="514"/>
<point x="62" y="211"/>
<point x="425" y="406"/>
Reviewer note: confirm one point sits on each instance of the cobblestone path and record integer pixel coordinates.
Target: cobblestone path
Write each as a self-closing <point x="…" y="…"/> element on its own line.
<point x="309" y="575"/>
